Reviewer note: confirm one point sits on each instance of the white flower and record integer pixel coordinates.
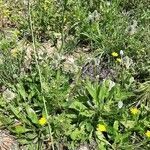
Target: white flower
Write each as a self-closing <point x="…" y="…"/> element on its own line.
<point x="111" y="84"/>
<point x="121" y="52"/>
<point x="120" y="104"/>
<point x="8" y="95"/>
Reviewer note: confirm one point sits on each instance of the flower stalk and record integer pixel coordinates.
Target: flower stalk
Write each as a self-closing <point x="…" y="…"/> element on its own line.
<point x="39" y="71"/>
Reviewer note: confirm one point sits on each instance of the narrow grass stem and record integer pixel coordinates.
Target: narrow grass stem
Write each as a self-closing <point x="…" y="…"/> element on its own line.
<point x="39" y="71"/>
<point x="62" y="26"/>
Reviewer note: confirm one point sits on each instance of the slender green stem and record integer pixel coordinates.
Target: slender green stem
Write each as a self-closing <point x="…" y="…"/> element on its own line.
<point x="62" y="26"/>
<point x="39" y="71"/>
<point x="60" y="50"/>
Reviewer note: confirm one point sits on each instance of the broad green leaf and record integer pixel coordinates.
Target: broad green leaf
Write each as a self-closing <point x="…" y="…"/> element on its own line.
<point x="31" y="94"/>
<point x="18" y="114"/>
<point x="21" y="129"/>
<point x="31" y="114"/>
<point x="104" y="90"/>
<point x="5" y="120"/>
<point x="93" y="91"/>
<point x="87" y="113"/>
<point x="21" y="90"/>
<point x="32" y="135"/>
<point x="73" y="116"/>
<point x="23" y="141"/>
<point x="75" y="134"/>
<point x="129" y="123"/>
<point x="15" y="110"/>
<point x="77" y="106"/>
<point x="116" y="125"/>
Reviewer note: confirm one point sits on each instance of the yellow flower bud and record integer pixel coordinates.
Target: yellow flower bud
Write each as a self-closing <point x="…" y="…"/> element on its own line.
<point x="42" y="121"/>
<point x="147" y="133"/>
<point x="134" y="110"/>
<point x="114" y="54"/>
<point x="101" y="128"/>
<point x="118" y="60"/>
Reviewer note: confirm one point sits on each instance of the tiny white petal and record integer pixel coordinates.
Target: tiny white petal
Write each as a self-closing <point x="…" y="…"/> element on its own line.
<point x="121" y="52"/>
<point x="120" y="104"/>
<point x="111" y="84"/>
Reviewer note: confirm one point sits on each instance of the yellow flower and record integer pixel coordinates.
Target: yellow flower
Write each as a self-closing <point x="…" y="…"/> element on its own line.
<point x="134" y="110"/>
<point x="118" y="60"/>
<point x="14" y="52"/>
<point x="42" y="121"/>
<point x="101" y="128"/>
<point x="147" y="133"/>
<point x="114" y="54"/>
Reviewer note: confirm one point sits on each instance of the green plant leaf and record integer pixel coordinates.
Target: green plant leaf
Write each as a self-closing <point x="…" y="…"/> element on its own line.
<point x="21" y="129"/>
<point x="93" y="91"/>
<point x="21" y="90"/>
<point x="31" y="135"/>
<point x="129" y="123"/>
<point x="87" y="113"/>
<point x="23" y="141"/>
<point x="116" y="125"/>
<point x="103" y="91"/>
<point x="18" y="114"/>
<point x="31" y="114"/>
<point x="77" y="106"/>
<point x="15" y="110"/>
<point x="75" y="134"/>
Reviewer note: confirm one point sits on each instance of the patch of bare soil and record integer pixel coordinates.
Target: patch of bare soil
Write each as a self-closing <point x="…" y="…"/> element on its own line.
<point x="7" y="141"/>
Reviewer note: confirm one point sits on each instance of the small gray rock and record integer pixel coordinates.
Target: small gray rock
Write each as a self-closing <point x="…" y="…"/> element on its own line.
<point x="83" y="147"/>
<point x="7" y="142"/>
